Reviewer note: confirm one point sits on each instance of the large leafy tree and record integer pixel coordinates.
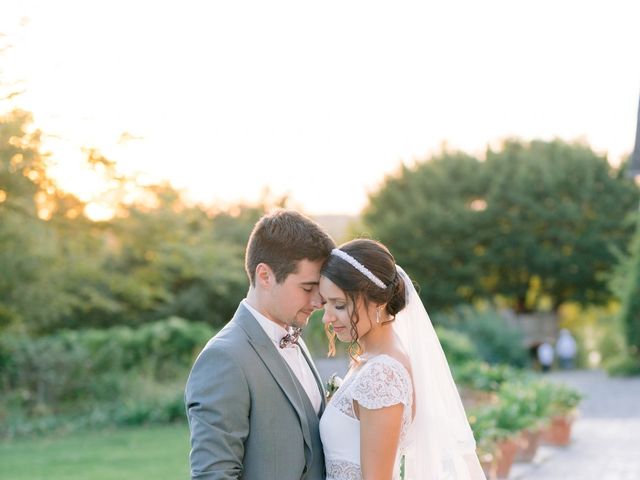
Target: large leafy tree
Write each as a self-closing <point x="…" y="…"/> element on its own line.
<point x="535" y="222"/>
<point x="158" y="256"/>
<point x="558" y="211"/>
<point x="430" y="216"/>
<point x="28" y="258"/>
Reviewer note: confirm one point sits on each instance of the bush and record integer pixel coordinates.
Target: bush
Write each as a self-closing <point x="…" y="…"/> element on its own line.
<point x="458" y="347"/>
<point x="520" y="405"/>
<point x="484" y="377"/>
<point x="494" y="339"/>
<point x="72" y="369"/>
<point x="623" y="366"/>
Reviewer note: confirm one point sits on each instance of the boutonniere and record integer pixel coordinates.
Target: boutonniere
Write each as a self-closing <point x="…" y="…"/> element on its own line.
<point x="333" y="384"/>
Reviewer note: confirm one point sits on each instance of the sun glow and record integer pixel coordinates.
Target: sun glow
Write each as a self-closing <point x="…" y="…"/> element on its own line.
<point x="99" y="211"/>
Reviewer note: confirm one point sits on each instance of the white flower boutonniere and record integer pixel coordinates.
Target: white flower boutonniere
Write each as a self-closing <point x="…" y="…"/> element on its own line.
<point x="333" y="384"/>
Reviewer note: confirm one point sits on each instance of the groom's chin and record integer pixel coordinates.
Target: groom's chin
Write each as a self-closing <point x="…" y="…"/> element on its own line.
<point x="301" y="320"/>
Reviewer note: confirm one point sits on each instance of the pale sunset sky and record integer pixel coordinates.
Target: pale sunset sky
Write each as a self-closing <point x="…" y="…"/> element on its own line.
<point x="317" y="100"/>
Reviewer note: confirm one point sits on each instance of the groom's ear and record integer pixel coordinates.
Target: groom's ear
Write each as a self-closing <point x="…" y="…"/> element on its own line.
<point x="264" y="275"/>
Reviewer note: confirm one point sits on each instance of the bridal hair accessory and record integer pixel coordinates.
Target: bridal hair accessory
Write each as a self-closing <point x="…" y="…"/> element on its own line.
<point x="291" y="338"/>
<point x="358" y="266"/>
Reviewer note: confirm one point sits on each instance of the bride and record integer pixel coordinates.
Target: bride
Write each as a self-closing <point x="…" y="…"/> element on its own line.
<point x="398" y="402"/>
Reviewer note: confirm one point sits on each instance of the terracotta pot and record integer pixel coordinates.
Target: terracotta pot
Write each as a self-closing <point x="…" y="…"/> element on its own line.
<point x="529" y="441"/>
<point x="559" y="431"/>
<point x="507" y="450"/>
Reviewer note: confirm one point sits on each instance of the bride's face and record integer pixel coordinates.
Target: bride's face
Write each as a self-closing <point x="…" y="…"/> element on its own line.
<point x="338" y="310"/>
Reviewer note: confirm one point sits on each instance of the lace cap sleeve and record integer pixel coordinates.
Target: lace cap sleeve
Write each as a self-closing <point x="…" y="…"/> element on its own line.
<point x="382" y="383"/>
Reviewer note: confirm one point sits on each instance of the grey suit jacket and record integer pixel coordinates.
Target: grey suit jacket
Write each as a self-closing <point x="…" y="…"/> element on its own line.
<point x="249" y="416"/>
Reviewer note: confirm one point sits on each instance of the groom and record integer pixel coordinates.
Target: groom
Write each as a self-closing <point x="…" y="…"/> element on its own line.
<point x="254" y="397"/>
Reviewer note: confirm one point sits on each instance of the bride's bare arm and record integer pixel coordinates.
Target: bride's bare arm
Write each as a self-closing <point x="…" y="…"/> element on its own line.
<point x="379" y="438"/>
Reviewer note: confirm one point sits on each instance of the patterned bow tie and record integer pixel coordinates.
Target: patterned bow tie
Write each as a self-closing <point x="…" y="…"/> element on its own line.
<point x="291" y="338"/>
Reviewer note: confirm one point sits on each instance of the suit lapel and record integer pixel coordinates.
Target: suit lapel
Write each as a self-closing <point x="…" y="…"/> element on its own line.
<point x="278" y="369"/>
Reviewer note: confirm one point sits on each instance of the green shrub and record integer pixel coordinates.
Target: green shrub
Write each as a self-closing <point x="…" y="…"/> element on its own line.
<point x="562" y="400"/>
<point x="65" y="372"/>
<point x="494" y="339"/>
<point x="485" y="377"/>
<point x="457" y="346"/>
<point x="623" y="366"/>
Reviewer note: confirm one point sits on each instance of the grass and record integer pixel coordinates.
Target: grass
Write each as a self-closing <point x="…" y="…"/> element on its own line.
<point x="159" y="452"/>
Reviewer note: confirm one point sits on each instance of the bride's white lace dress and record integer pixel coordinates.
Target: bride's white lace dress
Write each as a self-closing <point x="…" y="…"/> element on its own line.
<point x="379" y="382"/>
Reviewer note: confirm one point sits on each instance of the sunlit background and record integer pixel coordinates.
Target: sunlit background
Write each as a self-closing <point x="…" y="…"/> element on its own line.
<point x="317" y="101"/>
<point x="169" y="128"/>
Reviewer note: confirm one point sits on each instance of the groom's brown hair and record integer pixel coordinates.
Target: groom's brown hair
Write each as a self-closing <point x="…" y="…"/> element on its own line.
<point x="281" y="239"/>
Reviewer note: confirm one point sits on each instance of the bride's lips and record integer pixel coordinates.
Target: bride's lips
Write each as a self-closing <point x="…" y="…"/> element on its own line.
<point x="339" y="329"/>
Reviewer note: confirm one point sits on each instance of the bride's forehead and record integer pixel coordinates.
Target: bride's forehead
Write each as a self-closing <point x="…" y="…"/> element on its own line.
<point x="329" y="288"/>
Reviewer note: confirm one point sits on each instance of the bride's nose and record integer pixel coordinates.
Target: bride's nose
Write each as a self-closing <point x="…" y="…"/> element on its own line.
<point x="327" y="317"/>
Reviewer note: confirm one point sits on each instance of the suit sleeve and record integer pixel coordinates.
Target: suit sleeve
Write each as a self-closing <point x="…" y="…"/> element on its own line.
<point x="218" y="403"/>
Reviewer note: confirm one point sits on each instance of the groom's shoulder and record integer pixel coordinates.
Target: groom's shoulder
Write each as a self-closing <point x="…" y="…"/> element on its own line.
<point x="230" y="339"/>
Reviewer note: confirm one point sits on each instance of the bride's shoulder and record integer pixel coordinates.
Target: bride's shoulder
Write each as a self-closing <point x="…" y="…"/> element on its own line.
<point x="382" y="381"/>
<point x="397" y="361"/>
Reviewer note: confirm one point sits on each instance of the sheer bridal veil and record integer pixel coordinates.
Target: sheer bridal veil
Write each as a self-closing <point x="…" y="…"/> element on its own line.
<point x="441" y="445"/>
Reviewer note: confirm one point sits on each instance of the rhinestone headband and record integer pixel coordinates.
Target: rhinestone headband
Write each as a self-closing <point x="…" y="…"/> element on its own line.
<point x="358" y="266"/>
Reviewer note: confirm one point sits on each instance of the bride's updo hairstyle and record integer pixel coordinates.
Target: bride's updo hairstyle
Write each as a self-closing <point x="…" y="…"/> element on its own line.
<point x="375" y="280"/>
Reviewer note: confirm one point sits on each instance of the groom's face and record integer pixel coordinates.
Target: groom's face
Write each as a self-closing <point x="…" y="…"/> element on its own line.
<point x="295" y="299"/>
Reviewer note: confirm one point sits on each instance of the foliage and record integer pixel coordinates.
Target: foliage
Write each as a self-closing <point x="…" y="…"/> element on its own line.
<point x="623" y="365"/>
<point x="159" y="256"/>
<point x="563" y="400"/>
<point x="425" y="215"/>
<point x="521" y="405"/>
<point x="517" y="409"/>
<point x="494" y="339"/>
<point x="484" y="377"/>
<point x="457" y="346"/>
<point x="630" y="298"/>
<point x="75" y="371"/>
<point x="28" y="262"/>
<point x="535" y="223"/>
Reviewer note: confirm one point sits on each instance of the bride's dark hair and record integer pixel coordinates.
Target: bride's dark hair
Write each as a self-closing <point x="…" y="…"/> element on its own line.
<point x="375" y="257"/>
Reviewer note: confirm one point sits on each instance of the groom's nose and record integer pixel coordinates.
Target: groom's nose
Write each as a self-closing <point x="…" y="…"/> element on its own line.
<point x="316" y="300"/>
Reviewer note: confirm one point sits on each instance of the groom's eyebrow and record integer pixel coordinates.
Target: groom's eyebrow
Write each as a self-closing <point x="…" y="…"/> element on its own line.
<point x="310" y="283"/>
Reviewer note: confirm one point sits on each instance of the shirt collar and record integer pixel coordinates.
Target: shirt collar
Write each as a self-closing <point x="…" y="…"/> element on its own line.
<point x="274" y="331"/>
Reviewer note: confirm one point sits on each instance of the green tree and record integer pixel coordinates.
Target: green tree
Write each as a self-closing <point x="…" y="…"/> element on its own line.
<point x="535" y="222"/>
<point x="430" y="216"/>
<point x="557" y="211"/>
<point x="627" y="285"/>
<point x="28" y="290"/>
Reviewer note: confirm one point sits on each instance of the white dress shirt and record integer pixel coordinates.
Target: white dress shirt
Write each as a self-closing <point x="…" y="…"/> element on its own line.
<point x="292" y="355"/>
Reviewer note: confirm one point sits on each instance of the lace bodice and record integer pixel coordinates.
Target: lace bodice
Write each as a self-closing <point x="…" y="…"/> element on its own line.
<point x="380" y="382"/>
